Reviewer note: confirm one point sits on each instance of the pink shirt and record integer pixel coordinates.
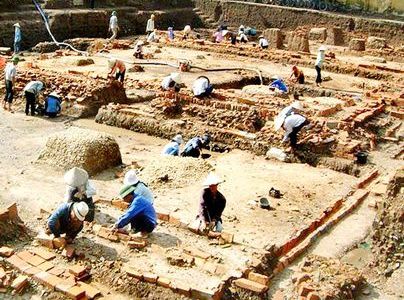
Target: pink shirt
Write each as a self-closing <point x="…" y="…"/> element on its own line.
<point x="219" y="36"/>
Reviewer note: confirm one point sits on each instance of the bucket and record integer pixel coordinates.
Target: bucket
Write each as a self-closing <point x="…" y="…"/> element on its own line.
<point x="361" y="158"/>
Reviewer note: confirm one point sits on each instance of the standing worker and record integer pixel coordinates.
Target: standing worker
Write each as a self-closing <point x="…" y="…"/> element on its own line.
<point x="319" y="64"/>
<point x="10" y="74"/>
<point x="118" y="69"/>
<point x="32" y="90"/>
<point x="150" y="25"/>
<point x="17" y="38"/>
<point x="113" y="26"/>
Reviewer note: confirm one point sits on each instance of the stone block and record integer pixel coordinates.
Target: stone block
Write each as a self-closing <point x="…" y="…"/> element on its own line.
<point x="56" y="271"/>
<point x="262" y="279"/>
<point x="76" y="292"/>
<point x="335" y="36"/>
<point x="318" y="34"/>
<point x="298" y="41"/>
<point x="374" y="42"/>
<point x="32" y="259"/>
<point x="32" y="271"/>
<point x="77" y="270"/>
<point x="250" y="285"/>
<point x="357" y="45"/>
<point x="18" y="263"/>
<point x="47" y="279"/>
<point x="275" y="37"/>
<point x="65" y="285"/>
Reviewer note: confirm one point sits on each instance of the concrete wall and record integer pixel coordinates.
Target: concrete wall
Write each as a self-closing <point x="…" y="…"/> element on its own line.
<point x="264" y="16"/>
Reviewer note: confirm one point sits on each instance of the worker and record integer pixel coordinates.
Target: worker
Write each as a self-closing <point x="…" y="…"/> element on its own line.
<point x="170" y="33"/>
<point x="186" y="32"/>
<point x="31" y="91"/>
<point x="193" y="148"/>
<point x="10" y="75"/>
<point x="118" y="69"/>
<point x="278" y="84"/>
<point x="295" y="107"/>
<point x="319" y="64"/>
<point x="202" y="87"/>
<point x="292" y="124"/>
<point x="242" y="37"/>
<point x="141" y="188"/>
<point x="140" y="214"/>
<point x="150" y="25"/>
<point x="263" y="42"/>
<point x="17" y="38"/>
<point x="67" y="219"/>
<point x="52" y="105"/>
<point x="153" y="37"/>
<point x="297" y="74"/>
<point x="173" y="147"/>
<point x="212" y="205"/>
<point x="80" y="189"/>
<point x="139" y="49"/>
<point x="172" y="82"/>
<point x="218" y="35"/>
<point x="113" y="26"/>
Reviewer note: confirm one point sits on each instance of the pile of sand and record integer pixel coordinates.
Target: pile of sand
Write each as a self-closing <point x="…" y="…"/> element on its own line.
<point x="175" y="172"/>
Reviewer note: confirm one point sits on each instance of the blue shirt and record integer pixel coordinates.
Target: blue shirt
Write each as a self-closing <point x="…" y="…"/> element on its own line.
<point x="52" y="105"/>
<point x="59" y="222"/>
<point x="172" y="148"/>
<point x="17" y="35"/>
<point x="280" y="85"/>
<point x="140" y="206"/>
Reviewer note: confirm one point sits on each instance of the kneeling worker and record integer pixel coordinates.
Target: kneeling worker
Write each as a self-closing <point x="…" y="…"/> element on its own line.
<point x="52" y="105"/>
<point x="202" y="87"/>
<point x="173" y="147"/>
<point x="140" y="214"/>
<point x="68" y="219"/>
<point x="194" y="146"/>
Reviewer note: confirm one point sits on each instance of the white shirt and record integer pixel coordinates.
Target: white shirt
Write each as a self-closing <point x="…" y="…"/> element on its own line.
<point x="113" y="22"/>
<point x="320" y="58"/>
<point x="150" y="25"/>
<point x="165" y="84"/>
<point x="200" y="86"/>
<point x="10" y="72"/>
<point x="34" y="87"/>
<point x="291" y="122"/>
<point x="152" y="37"/>
<point x="263" y="43"/>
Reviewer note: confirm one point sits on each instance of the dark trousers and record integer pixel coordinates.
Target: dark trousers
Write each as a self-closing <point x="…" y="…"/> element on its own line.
<point x="264" y="47"/>
<point x="207" y="93"/>
<point x="318" y="79"/>
<point x="120" y="75"/>
<point x="29" y="103"/>
<point x="92" y="2"/>
<point x="9" y="92"/>
<point x="293" y="134"/>
<point x="51" y="115"/>
<point x="142" y="224"/>
<point x="191" y="152"/>
<point x="300" y="79"/>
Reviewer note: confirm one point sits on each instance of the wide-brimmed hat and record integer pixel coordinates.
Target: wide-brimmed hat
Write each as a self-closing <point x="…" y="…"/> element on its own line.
<point x="80" y="210"/>
<point x="176" y="77"/>
<point x="126" y="190"/>
<point x="178" y="139"/>
<point x="130" y="178"/>
<point x="17" y="25"/>
<point x="212" y="179"/>
<point x="322" y="48"/>
<point x="54" y="94"/>
<point x="76" y="177"/>
<point x="297" y="105"/>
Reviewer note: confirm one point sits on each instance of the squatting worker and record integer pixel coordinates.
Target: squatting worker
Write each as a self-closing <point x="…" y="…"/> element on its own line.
<point x="173" y="147"/>
<point x="10" y="75"/>
<point x="117" y="69"/>
<point x="150" y="25"/>
<point x="140" y="214"/>
<point x="141" y="188"/>
<point x="67" y="219"/>
<point x="211" y="205"/>
<point x="202" y="87"/>
<point x="263" y="42"/>
<point x="172" y="82"/>
<point x="113" y="26"/>
<point x="80" y="189"/>
<point x="139" y="50"/>
<point x="278" y="84"/>
<point x="292" y="124"/>
<point x="53" y="105"/>
<point x="31" y="91"/>
<point x="319" y="64"/>
<point x="297" y="74"/>
<point x="193" y="148"/>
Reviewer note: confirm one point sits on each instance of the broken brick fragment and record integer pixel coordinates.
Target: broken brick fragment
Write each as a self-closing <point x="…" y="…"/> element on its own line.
<point x="77" y="270"/>
<point x="250" y="285"/>
<point x="69" y="251"/>
<point x="6" y="251"/>
<point x="59" y="243"/>
<point x="137" y="244"/>
<point x="20" y="283"/>
<point x="90" y="291"/>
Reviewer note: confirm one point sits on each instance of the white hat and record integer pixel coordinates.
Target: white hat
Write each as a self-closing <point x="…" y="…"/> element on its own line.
<point x="76" y="177"/>
<point x="17" y="25"/>
<point x="322" y="48"/>
<point x="278" y="122"/>
<point x="297" y="105"/>
<point x="241" y="27"/>
<point x="276" y="77"/>
<point x="80" y="209"/>
<point x="130" y="178"/>
<point x="111" y="62"/>
<point x="176" y="77"/>
<point x="178" y="139"/>
<point x="212" y="179"/>
<point x="225" y="32"/>
<point x="54" y="94"/>
<point x="187" y="29"/>
<point x="140" y="43"/>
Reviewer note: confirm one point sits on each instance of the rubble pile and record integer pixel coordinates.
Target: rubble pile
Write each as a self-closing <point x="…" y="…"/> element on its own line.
<point x="324" y="278"/>
<point x="75" y="147"/>
<point x="388" y="228"/>
<point x="11" y="226"/>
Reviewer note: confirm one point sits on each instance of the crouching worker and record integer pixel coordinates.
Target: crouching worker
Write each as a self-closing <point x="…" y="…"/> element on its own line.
<point x="202" y="87"/>
<point x="117" y="69"/>
<point x="80" y="189"/>
<point x="67" y="219"/>
<point x="292" y="124"/>
<point x="32" y="91"/>
<point x="173" y="147"/>
<point x="193" y="148"/>
<point x="278" y="85"/>
<point x="139" y="50"/>
<point x="172" y="82"/>
<point x="140" y="214"/>
<point x="211" y="206"/>
<point x="52" y="105"/>
<point x="141" y="188"/>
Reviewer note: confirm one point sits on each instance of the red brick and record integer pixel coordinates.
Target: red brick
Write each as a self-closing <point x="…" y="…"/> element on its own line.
<point x="32" y="259"/>
<point x="134" y="273"/>
<point x="59" y="243"/>
<point x="197" y="253"/>
<point x="77" y="270"/>
<point x="45" y="254"/>
<point x="69" y="251"/>
<point x="45" y="240"/>
<point x="56" y="271"/>
<point x="18" y="263"/>
<point x="313" y="296"/>
<point x="46" y="266"/>
<point x="137" y="244"/>
<point x="20" y="283"/>
<point x="164" y="282"/>
<point x="91" y="292"/>
<point x="6" y="251"/>
<point x="32" y="271"/>
<point x="76" y="292"/>
<point x="163" y="216"/>
<point x="47" y="279"/>
<point x="12" y="211"/>
<point x="397" y="114"/>
<point x="65" y="285"/>
<point x="250" y="285"/>
<point x="367" y="178"/>
<point x="150" y="277"/>
<point x="304" y="290"/>
<point x="258" y="278"/>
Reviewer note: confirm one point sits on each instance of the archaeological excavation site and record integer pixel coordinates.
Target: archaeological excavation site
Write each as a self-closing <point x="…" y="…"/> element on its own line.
<point x="201" y="149"/>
